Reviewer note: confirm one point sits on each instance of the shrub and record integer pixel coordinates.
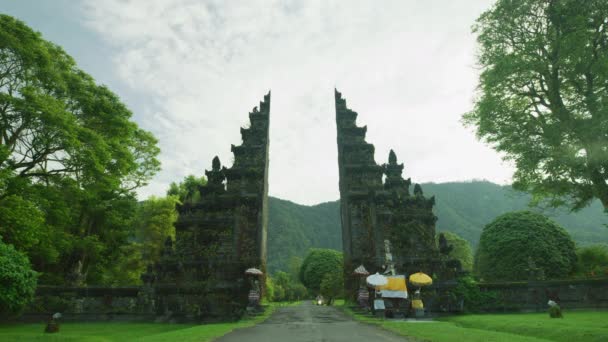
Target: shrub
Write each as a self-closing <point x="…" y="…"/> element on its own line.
<point x="461" y="249"/>
<point x="332" y="286"/>
<point x="279" y="294"/>
<point x="555" y="312"/>
<point x="298" y="292"/>
<point x="474" y="300"/>
<point x="17" y="280"/>
<point x="286" y="288"/>
<point x="592" y="260"/>
<point x="269" y="290"/>
<point x="513" y="241"/>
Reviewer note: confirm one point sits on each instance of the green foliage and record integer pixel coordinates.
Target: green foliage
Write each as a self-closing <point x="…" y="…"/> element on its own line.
<point x="187" y="190"/>
<point x="286" y="288"/>
<point x="279" y="294"/>
<point x="512" y="240"/>
<point x="17" y="280"/>
<point x="555" y="312"/>
<point x="332" y="286"/>
<point x="461" y="250"/>
<point x="542" y="96"/>
<point x="474" y="300"/>
<point x="294" y="228"/>
<point x="58" y="122"/>
<point x="270" y="294"/>
<point x="21" y="222"/>
<point x="127" y="268"/>
<point x="154" y="222"/>
<point x="317" y="264"/>
<point x="281" y="282"/>
<point x="297" y="291"/>
<point x="293" y="267"/>
<point x="281" y="279"/>
<point x="592" y="261"/>
<point x="70" y="158"/>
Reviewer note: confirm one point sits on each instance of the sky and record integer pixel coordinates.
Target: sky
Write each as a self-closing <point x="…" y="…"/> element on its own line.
<point x="191" y="71"/>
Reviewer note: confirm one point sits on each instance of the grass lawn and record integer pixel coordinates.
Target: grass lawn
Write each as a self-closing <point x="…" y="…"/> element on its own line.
<point x="107" y="331"/>
<point x="575" y="326"/>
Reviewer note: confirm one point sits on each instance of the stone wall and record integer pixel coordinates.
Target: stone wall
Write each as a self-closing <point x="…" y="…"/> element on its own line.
<point x="94" y="303"/>
<point x="523" y="296"/>
<point x="132" y="304"/>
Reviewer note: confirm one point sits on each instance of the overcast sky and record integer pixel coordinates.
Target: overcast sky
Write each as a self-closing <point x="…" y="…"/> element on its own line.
<point x="192" y="70"/>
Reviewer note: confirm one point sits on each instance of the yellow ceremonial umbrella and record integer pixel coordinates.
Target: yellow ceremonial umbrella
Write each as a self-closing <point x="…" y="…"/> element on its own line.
<point x="420" y="279"/>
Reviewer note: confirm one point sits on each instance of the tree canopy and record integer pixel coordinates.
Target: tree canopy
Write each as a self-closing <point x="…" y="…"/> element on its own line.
<point x="317" y="264"/>
<point x="70" y="158"/>
<point x="461" y="250"/>
<point x="188" y="189"/>
<point x="543" y="96"/>
<point x="517" y="243"/>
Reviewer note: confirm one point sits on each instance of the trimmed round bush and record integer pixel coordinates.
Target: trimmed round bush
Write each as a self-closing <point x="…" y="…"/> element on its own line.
<point x="17" y="280"/>
<point x="519" y="243"/>
<point x="317" y="264"/>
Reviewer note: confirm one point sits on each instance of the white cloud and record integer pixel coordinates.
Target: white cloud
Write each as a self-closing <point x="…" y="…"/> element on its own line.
<point x="407" y="67"/>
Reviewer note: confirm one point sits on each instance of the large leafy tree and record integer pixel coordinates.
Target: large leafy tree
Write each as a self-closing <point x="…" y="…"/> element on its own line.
<point x="69" y="152"/>
<point x="56" y="121"/>
<point x="543" y="95"/>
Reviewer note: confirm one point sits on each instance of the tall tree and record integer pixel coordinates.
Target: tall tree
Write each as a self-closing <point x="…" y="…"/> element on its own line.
<point x="69" y="148"/>
<point x="543" y="95"/>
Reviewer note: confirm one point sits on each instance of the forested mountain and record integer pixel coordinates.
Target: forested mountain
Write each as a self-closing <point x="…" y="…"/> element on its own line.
<point x="462" y="207"/>
<point x="294" y="228"/>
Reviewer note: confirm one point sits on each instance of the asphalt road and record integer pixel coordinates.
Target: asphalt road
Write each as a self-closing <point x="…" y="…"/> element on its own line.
<point x="308" y="323"/>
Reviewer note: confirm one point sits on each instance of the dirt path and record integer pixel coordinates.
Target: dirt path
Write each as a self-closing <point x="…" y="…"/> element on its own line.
<point x="307" y="322"/>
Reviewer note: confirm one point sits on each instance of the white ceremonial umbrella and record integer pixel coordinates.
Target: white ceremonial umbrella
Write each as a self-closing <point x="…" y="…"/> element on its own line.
<point x="253" y="271"/>
<point x="361" y="271"/>
<point x="376" y="280"/>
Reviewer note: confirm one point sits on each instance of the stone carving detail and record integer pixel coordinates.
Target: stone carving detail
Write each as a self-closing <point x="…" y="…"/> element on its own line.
<point x="373" y="210"/>
<point x="219" y="236"/>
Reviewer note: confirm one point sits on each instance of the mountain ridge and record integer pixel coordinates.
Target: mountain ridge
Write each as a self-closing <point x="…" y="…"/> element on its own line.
<point x="463" y="208"/>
